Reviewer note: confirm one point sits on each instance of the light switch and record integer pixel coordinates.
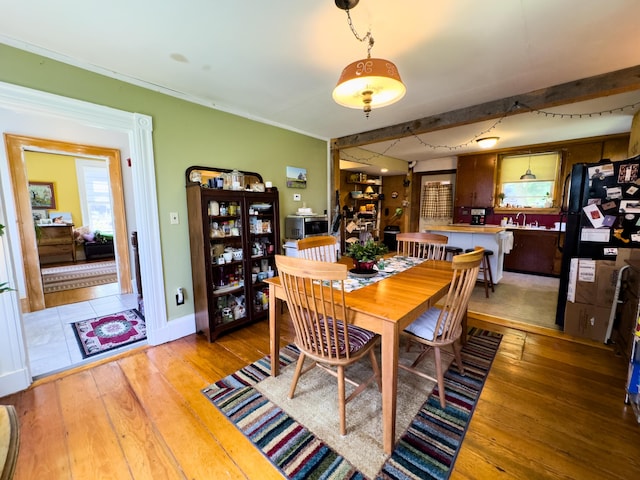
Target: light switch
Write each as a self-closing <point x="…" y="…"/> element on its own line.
<point x="173" y="217"/>
<point x="297" y="197"/>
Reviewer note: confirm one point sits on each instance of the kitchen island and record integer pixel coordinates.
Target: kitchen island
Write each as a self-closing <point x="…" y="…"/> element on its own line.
<point x="492" y="237"/>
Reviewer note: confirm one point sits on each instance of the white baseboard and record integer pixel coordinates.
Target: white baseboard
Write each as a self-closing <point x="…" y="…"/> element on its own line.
<point x="13" y="382"/>
<point x="174" y="329"/>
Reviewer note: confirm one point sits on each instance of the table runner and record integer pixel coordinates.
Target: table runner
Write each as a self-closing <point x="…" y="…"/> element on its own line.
<point x="386" y="268"/>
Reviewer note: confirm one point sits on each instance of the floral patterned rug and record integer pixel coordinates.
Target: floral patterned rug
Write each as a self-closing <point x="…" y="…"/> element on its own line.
<point x="102" y="334"/>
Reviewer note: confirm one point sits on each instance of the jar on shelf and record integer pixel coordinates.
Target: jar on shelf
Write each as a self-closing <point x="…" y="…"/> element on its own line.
<point x="214" y="208"/>
<point x="237" y="180"/>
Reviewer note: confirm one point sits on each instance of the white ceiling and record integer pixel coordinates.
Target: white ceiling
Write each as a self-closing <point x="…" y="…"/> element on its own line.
<point x="277" y="61"/>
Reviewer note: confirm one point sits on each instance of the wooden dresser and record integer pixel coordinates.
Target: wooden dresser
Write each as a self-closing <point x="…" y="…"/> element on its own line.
<point x="56" y="240"/>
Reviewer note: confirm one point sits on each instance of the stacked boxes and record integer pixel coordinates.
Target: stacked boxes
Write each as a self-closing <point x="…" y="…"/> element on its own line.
<point x="628" y="312"/>
<point x="591" y="294"/>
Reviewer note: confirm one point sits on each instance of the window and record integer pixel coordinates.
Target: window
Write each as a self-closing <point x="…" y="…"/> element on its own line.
<point x="528" y="181"/>
<point x="95" y="195"/>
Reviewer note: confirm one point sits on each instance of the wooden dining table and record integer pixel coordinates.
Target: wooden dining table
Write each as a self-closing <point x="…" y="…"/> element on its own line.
<point x="386" y="307"/>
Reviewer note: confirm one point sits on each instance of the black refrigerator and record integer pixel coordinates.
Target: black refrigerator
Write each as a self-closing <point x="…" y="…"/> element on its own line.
<point x="601" y="208"/>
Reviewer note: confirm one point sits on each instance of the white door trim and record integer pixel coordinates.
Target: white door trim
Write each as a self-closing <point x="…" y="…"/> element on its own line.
<point x="138" y="128"/>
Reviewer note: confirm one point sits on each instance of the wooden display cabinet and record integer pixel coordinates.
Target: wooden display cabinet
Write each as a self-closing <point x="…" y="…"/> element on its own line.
<point x="234" y="237"/>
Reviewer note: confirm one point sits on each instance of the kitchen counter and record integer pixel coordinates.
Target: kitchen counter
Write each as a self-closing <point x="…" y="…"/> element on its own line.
<point x="466" y="227"/>
<point x="492" y="237"/>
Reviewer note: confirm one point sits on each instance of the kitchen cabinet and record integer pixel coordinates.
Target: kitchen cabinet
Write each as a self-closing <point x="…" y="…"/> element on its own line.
<point x="475" y="181"/>
<point x="534" y="251"/>
<point x="234" y="237"/>
<point x="56" y="240"/>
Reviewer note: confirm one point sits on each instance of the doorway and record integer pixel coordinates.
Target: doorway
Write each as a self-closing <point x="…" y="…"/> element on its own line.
<point x="31" y="112"/>
<point x="16" y="147"/>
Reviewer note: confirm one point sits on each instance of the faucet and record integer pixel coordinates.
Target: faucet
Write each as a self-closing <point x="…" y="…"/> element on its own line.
<point x="524" y="217"/>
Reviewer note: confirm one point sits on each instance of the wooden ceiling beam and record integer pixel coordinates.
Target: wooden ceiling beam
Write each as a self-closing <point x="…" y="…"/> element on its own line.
<point x="603" y="85"/>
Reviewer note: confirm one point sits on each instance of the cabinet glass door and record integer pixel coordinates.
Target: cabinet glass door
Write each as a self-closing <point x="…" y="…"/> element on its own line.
<point x="263" y="245"/>
<point x="227" y="259"/>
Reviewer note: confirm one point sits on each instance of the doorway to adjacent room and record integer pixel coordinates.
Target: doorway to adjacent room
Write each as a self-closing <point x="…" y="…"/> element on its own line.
<point x="59" y="292"/>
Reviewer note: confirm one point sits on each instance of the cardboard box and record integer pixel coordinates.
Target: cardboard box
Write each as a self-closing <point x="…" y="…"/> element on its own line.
<point x="625" y="254"/>
<point x="623" y="331"/>
<point x="586" y="321"/>
<point x="598" y="286"/>
<point x="632" y="275"/>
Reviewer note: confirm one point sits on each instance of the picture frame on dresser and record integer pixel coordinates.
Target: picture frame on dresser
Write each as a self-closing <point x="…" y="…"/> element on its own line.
<point x="39" y="215"/>
<point x="61" y="217"/>
<point x="42" y="195"/>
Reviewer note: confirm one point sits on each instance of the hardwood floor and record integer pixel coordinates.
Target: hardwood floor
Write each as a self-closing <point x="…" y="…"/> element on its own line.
<point x="551" y="408"/>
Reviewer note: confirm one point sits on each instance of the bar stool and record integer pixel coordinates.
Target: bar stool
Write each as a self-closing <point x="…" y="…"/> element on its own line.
<point x="452" y="251"/>
<point x="485" y="268"/>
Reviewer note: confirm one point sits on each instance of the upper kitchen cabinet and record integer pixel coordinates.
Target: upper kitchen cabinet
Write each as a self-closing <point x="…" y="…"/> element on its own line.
<point x="475" y="180"/>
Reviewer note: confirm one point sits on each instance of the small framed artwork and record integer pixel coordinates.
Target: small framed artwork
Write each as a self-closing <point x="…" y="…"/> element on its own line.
<point x="42" y="195"/>
<point x="296" y="177"/>
<point x="39" y="215"/>
<point x="61" y="217"/>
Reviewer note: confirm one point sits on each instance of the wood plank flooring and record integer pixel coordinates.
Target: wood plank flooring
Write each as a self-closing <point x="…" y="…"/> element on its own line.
<point x="551" y="409"/>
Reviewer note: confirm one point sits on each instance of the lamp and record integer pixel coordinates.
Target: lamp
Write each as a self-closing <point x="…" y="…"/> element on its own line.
<point x="487" y="142"/>
<point x="370" y="82"/>
<point x="368" y="190"/>
<point x="528" y="175"/>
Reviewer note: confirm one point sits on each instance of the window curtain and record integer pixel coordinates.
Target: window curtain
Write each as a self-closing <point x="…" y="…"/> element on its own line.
<point x="437" y="200"/>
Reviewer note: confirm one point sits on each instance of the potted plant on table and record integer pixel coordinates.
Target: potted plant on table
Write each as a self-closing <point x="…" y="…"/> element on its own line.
<point x="365" y="255"/>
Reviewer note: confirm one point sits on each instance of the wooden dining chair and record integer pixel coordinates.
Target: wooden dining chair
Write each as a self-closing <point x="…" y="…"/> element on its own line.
<point x="440" y="327"/>
<point x="321" y="323"/>
<point x="423" y="245"/>
<point x="322" y="248"/>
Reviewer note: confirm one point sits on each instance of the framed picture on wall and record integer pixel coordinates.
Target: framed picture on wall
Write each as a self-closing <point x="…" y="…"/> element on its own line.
<point x="296" y="177"/>
<point x="42" y="195"/>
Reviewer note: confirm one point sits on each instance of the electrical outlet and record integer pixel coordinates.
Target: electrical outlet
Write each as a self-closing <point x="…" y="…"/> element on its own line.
<point x="180" y="297"/>
<point x="297" y="197"/>
<point x="173" y="218"/>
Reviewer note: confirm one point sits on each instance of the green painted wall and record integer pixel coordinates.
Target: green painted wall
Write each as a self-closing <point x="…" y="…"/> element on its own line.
<point x="184" y="134"/>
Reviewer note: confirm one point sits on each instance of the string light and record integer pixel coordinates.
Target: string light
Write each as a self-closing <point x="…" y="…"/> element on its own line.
<point x="515" y="106"/>
<point x="580" y="115"/>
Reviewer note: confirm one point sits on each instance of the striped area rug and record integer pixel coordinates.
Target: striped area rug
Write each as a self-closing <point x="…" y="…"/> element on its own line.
<point x="69" y="277"/>
<point x="426" y="450"/>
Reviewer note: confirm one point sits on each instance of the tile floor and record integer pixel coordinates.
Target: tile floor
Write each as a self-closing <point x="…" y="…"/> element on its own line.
<point x="520" y="297"/>
<point x="51" y="343"/>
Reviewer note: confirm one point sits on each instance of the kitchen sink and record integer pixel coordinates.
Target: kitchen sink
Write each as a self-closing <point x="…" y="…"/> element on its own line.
<point x="527" y="227"/>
